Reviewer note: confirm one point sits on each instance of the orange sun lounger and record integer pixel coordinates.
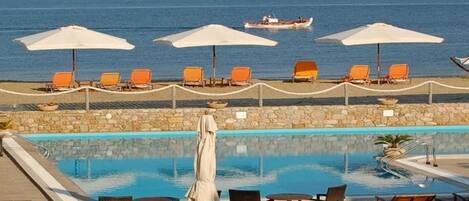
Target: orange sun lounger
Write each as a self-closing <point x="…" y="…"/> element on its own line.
<point x="193" y="76"/>
<point x="61" y="81"/>
<point x="359" y="74"/>
<point x="397" y="73"/>
<point x="110" y="81"/>
<point x="305" y="70"/>
<point x="240" y="75"/>
<point x="140" y="79"/>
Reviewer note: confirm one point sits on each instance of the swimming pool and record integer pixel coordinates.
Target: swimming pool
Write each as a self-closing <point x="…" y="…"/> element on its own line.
<point x="272" y="161"/>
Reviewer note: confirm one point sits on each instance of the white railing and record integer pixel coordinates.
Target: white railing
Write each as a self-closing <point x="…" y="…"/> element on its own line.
<point x="259" y="86"/>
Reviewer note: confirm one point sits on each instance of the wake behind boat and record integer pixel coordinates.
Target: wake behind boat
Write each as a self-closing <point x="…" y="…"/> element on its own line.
<point x="270" y="22"/>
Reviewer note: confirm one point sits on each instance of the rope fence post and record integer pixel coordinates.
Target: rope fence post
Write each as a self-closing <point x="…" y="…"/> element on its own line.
<point x="87" y="99"/>
<point x="430" y="93"/>
<point x="260" y="96"/>
<point x="346" y="94"/>
<point x="173" y="97"/>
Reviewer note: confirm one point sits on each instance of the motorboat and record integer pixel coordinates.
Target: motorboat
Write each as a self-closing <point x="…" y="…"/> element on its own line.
<point x="271" y="22"/>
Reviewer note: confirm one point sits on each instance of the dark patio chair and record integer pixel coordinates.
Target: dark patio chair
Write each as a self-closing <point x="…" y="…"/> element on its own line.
<point x="459" y="197"/>
<point x="157" y="199"/>
<point x="115" y="198"/>
<point x="336" y="193"/>
<point x="421" y="197"/>
<point x="242" y="195"/>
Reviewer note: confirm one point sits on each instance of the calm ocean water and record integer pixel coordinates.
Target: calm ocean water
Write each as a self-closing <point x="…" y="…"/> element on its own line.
<point x="140" y="21"/>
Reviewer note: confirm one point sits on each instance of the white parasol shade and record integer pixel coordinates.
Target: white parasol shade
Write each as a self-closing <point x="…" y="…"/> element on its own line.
<point x="461" y="62"/>
<point x="73" y="37"/>
<point x="213" y="35"/>
<point x="378" y="33"/>
<point x="205" y="164"/>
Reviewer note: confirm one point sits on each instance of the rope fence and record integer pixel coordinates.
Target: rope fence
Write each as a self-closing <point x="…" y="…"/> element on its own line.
<point x="259" y="86"/>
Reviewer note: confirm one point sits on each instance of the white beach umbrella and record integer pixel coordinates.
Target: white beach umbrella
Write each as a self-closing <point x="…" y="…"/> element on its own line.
<point x="461" y="62"/>
<point x="378" y="33"/>
<point x="213" y="35"/>
<point x="205" y="163"/>
<point x="73" y="37"/>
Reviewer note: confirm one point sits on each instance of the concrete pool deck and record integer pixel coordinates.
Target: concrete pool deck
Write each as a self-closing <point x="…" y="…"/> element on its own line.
<point x="457" y="166"/>
<point x="27" y="175"/>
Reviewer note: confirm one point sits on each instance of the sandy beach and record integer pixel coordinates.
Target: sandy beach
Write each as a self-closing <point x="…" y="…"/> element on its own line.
<point x="246" y="98"/>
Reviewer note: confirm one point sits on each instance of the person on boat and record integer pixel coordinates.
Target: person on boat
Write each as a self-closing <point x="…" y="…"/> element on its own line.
<point x="301" y="19"/>
<point x="265" y="19"/>
<point x="271" y="19"/>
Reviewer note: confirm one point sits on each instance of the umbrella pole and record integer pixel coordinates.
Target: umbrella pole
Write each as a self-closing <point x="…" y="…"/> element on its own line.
<point x="74" y="63"/>
<point x="214" y="61"/>
<point x="378" y="62"/>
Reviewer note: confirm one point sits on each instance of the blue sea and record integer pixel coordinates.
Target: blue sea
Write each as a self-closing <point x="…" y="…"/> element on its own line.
<point x="141" y="21"/>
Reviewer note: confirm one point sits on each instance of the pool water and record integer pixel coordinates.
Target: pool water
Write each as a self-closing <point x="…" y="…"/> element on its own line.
<point x="303" y="163"/>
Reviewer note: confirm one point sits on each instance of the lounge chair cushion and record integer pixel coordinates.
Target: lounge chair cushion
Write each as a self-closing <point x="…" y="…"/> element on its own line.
<point x="193" y="75"/>
<point x="398" y="73"/>
<point x="110" y="79"/>
<point x="240" y="75"/>
<point x="141" y="77"/>
<point x="305" y="70"/>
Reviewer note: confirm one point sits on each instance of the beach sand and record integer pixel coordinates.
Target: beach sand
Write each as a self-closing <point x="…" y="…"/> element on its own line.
<point x="102" y="100"/>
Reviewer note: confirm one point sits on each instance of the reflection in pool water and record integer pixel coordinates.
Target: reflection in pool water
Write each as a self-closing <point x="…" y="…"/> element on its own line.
<point x="303" y="164"/>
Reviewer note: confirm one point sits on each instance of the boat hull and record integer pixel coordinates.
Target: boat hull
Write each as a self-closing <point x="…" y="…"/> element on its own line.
<point x="280" y="25"/>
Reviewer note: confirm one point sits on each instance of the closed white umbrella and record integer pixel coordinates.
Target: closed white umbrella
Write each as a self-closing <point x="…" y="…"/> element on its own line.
<point x="73" y="37"/>
<point x="205" y="163"/>
<point x="213" y="35"/>
<point x="378" y="33"/>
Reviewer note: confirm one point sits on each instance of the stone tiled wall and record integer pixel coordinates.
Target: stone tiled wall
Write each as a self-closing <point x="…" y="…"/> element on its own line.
<point x="256" y="117"/>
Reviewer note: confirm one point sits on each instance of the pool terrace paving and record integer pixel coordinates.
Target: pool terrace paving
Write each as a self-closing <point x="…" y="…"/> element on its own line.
<point x="458" y="166"/>
<point x="17" y="183"/>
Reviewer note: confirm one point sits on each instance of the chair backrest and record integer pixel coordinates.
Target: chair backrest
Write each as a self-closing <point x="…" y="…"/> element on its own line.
<point x="110" y="78"/>
<point x="157" y="199"/>
<point x="306" y="68"/>
<point x="62" y="79"/>
<point x="359" y="72"/>
<point x="111" y="198"/>
<point x="399" y="71"/>
<point x="336" y="193"/>
<point x="193" y="74"/>
<point x="241" y="74"/>
<point x="458" y="197"/>
<point x="428" y="197"/>
<point x="243" y="195"/>
<point x="141" y="76"/>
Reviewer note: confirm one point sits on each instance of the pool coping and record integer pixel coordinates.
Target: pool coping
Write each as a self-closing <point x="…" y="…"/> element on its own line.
<point x="38" y="174"/>
<point x="247" y="132"/>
